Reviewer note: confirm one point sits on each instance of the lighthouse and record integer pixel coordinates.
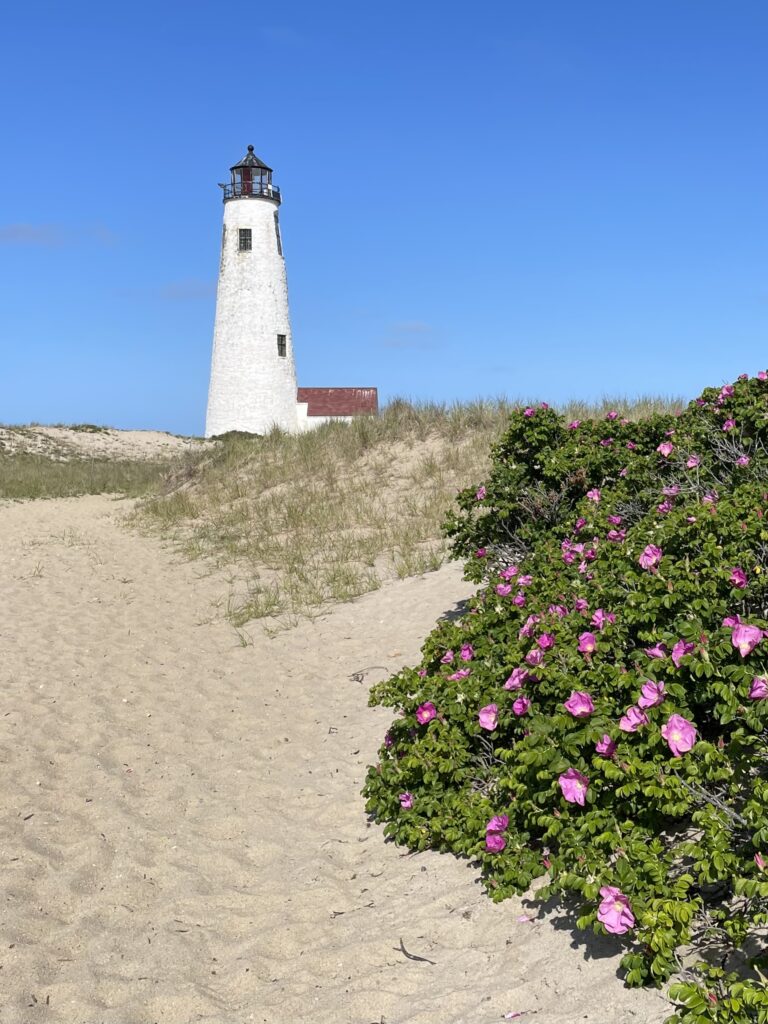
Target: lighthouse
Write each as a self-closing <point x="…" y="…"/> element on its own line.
<point x="253" y="375"/>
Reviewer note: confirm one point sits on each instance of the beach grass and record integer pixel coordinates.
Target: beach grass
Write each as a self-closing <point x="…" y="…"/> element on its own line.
<point x="313" y="519"/>
<point x="25" y="475"/>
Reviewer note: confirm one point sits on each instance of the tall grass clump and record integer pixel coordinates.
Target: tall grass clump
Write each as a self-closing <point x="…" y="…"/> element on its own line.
<point x="25" y="475"/>
<point x="598" y="716"/>
<point x="328" y="515"/>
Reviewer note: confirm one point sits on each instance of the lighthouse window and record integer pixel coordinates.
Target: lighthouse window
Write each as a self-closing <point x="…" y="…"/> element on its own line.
<point x="244" y="242"/>
<point x="281" y="346"/>
<point x="277" y="232"/>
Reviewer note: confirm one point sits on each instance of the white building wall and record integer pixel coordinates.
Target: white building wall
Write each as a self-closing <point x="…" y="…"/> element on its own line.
<point x="252" y="388"/>
<point x="311" y="422"/>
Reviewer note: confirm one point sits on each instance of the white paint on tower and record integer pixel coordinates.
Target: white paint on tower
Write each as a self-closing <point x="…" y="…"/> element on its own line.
<point x="253" y="376"/>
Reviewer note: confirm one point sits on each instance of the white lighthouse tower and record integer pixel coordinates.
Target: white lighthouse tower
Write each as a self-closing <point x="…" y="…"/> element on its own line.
<point x="253" y="376"/>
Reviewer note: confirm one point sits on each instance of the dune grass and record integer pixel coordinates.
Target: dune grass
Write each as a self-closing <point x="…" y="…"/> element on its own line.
<point x="312" y="519"/>
<point x="26" y="475"/>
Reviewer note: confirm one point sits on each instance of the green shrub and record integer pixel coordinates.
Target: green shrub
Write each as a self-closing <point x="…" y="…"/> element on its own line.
<point x="598" y="713"/>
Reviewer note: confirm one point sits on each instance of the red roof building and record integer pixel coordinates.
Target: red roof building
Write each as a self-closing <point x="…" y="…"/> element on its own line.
<point x="339" y="401"/>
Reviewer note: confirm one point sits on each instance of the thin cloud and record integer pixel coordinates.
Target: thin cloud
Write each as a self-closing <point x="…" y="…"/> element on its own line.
<point x="53" y="236"/>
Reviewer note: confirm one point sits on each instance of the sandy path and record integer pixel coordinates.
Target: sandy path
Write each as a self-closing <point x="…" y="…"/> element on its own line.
<point x="181" y="829"/>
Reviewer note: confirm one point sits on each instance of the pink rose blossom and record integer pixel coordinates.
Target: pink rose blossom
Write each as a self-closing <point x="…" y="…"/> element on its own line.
<point x="503" y="589"/>
<point x="594" y="494"/>
<point x="623" y="472"/>
<point x="574" y="786"/>
<point x="651" y="557"/>
<point x="579" y="704"/>
<point x="509" y="573"/>
<point x="425" y="712"/>
<point x="574" y="424"/>
<point x="731" y="620"/>
<point x="480" y="493"/>
<point x="726" y="390"/>
<point x="519" y="599"/>
<point x="738" y="578"/>
<point x="495" y="843"/>
<point x="529" y="411"/>
<point x="587" y="643"/>
<point x="461" y="673"/>
<point x="488" y="717"/>
<point x="617" y="536"/>
<point x="605" y="747"/>
<point x="614" y="520"/>
<point x="611" y="415"/>
<point x="633" y="719"/>
<point x="664" y="507"/>
<point x="480" y="553"/>
<point x="534" y="657"/>
<point x="759" y="688"/>
<point x="421" y="673"/>
<point x="679" y="733"/>
<point x="607" y="442"/>
<point x="580" y="605"/>
<point x="579" y="524"/>
<point x="681" y="650"/>
<point x="467" y="652"/>
<point x="729" y="424"/>
<point x="516" y="679"/>
<point x="447" y="658"/>
<point x="651" y="695"/>
<point x="614" y="912"/>
<point x="558" y="609"/>
<point x="657" y="651"/>
<point x="521" y="706"/>
<point x="746" y="638"/>
<point x="742" y="461"/>
<point x="672" y="491"/>
<point x="602" y="618"/>
<point x="762" y="375"/>
<point x="631" y="445"/>
<point x="524" y="581"/>
<point x="498" y="823"/>
<point x="406" y="800"/>
<point x="527" y="627"/>
<point x="693" y="462"/>
<point x="760" y="861"/>
<point x="546" y="641"/>
<point x="665" y="448"/>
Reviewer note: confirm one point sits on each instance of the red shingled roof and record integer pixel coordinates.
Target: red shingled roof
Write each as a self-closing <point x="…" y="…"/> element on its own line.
<point x="340" y="401"/>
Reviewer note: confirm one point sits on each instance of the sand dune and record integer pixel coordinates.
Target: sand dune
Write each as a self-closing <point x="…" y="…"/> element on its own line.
<point x="182" y="832"/>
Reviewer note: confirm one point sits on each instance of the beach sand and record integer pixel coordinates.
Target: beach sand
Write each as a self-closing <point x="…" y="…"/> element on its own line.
<point x="182" y="831"/>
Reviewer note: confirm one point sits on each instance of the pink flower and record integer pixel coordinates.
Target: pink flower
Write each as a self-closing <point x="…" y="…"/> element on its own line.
<point x="388" y="740"/>
<point x="558" y="609"/>
<point x="607" y="442"/>
<point x="480" y="493"/>
<point x="731" y="620"/>
<point x="524" y="581"/>
<point x="746" y="638"/>
<point x="521" y="706"/>
<point x="617" y="536"/>
<point x="587" y="643"/>
<point x="614" y="520"/>
<point x="605" y="747"/>
<point x="579" y="704"/>
<point x="738" y="578"/>
<point x="467" y="652"/>
<point x="651" y="695"/>
<point x="614" y="912"/>
<point x="672" y="491"/>
<point x="546" y="641"/>
<point x="623" y="472"/>
<point x="498" y="823"/>
<point x="665" y="448"/>
<point x="406" y="800"/>
<point x="461" y="673"/>
<point x="729" y="424"/>
<point x="611" y="415"/>
<point x="681" y="650"/>
<point x="633" y="719"/>
<point x="762" y="375"/>
<point x="631" y="445"/>
<point x="594" y="494"/>
<point x="519" y="599"/>
<point x="726" y="390"/>
<point x="602" y="618"/>
<point x="527" y="628"/>
<point x="421" y="673"/>
<point x="447" y="658"/>
<point x="480" y="553"/>
<point x="580" y="605"/>
<point x="651" y="557"/>
<point x="742" y="461"/>
<point x="580" y="523"/>
<point x="488" y="717"/>
<point x="693" y="462"/>
<point x="679" y="733"/>
<point x="495" y="843"/>
<point x="534" y="657"/>
<point x="516" y="679"/>
<point x="759" y="688"/>
<point x="760" y="861"/>
<point x="657" y="651"/>
<point x="574" y="424"/>
<point x="529" y="411"/>
<point x="425" y="712"/>
<point x="664" y="507"/>
<point x="574" y="786"/>
<point x="503" y="589"/>
<point x="509" y="573"/>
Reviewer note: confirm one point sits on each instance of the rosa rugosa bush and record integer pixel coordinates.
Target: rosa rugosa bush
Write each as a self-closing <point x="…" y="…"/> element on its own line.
<point x="597" y="714"/>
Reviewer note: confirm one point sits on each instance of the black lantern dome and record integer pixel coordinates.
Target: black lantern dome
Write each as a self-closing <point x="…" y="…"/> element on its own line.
<point x="251" y="179"/>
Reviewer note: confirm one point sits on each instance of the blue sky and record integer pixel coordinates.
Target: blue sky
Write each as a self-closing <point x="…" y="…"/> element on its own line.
<point x="547" y="198"/>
